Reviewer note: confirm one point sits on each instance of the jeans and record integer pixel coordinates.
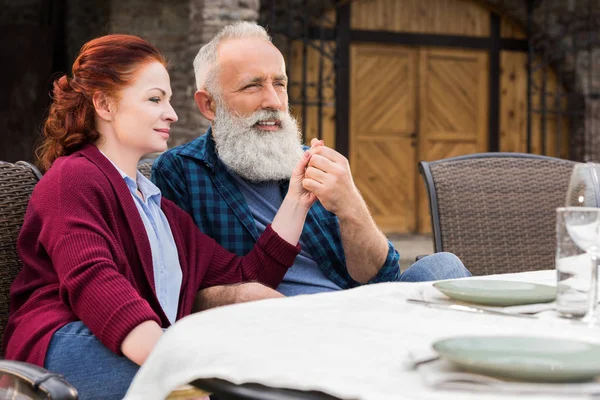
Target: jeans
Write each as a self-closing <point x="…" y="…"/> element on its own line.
<point x="88" y="365"/>
<point x="435" y="267"/>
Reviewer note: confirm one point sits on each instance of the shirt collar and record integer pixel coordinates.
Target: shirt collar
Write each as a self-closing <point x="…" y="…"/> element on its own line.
<point x="149" y="190"/>
<point x="203" y="149"/>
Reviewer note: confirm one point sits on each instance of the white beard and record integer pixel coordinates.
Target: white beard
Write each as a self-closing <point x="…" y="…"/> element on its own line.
<point x="253" y="154"/>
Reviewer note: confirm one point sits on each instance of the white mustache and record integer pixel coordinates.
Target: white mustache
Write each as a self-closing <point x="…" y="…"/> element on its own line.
<point x="263" y="115"/>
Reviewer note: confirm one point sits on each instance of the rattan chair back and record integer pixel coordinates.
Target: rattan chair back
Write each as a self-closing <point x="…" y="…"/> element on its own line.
<point x="16" y="185"/>
<point x="145" y="167"/>
<point x="497" y="211"/>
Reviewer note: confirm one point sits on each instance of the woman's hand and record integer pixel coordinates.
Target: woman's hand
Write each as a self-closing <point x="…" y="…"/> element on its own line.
<point x="138" y="344"/>
<point x="290" y="217"/>
<point x="304" y="197"/>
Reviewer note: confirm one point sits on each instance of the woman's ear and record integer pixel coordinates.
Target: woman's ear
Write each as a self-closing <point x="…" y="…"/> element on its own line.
<point x="206" y="104"/>
<point x="103" y="105"/>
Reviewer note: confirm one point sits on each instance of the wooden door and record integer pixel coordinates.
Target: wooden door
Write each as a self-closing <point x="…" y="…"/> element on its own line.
<point x="453" y="109"/>
<point x="383" y="132"/>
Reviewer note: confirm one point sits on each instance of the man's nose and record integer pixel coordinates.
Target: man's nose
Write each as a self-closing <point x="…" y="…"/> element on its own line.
<point x="271" y="98"/>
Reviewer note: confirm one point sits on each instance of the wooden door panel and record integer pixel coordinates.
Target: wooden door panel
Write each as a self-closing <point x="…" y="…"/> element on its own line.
<point x="382" y="132"/>
<point x="453" y="110"/>
<point x="451" y="83"/>
<point x="383" y="90"/>
<point x="385" y="173"/>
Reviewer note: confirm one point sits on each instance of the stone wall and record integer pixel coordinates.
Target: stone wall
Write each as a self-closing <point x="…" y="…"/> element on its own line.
<point x="164" y="24"/>
<point x="575" y="48"/>
<point x="28" y="32"/>
<point x="207" y="17"/>
<point x="179" y="28"/>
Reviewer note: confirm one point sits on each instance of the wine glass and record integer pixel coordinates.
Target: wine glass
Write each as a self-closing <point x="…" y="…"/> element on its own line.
<point x="582" y="221"/>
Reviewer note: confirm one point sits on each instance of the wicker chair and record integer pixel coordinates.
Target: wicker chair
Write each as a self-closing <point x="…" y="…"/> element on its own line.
<point x="17" y="379"/>
<point x="496" y="211"/>
<point x="145" y="167"/>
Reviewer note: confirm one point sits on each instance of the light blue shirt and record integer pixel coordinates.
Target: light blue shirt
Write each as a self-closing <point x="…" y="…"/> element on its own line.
<point x="305" y="276"/>
<point x="165" y="258"/>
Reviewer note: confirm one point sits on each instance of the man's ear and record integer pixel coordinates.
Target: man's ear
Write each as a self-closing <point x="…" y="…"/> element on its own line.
<point x="103" y="105"/>
<point x="206" y="104"/>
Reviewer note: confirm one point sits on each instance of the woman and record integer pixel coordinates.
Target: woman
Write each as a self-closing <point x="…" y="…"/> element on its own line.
<point x="108" y="264"/>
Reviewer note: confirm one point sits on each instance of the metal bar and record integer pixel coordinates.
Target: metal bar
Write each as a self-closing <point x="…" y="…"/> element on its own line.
<point x="320" y="86"/>
<point x="494" y="84"/>
<point x="514" y="45"/>
<point x="342" y="80"/>
<point x="589" y="98"/>
<point x="314" y="33"/>
<point x="544" y="83"/>
<point x="290" y="43"/>
<point x="304" y="70"/>
<point x="553" y="112"/>
<point x="57" y="15"/>
<point x="529" y="72"/>
<point x="273" y="14"/>
<point x="420" y="39"/>
<point x="559" y="110"/>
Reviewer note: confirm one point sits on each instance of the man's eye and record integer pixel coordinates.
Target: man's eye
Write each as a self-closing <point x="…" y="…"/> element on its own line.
<point x="251" y="85"/>
<point x="155" y="99"/>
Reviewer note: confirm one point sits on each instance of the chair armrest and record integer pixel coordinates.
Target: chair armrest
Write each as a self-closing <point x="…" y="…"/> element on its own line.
<point x="39" y="379"/>
<point x="421" y="256"/>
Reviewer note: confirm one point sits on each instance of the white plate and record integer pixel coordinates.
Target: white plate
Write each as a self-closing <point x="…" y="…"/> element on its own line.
<point x="523" y="358"/>
<point x="496" y="293"/>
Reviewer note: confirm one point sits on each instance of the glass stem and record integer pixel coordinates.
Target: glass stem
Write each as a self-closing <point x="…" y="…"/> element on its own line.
<point x="593" y="296"/>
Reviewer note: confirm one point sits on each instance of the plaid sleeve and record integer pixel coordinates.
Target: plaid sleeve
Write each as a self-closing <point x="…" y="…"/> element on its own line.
<point x="168" y="176"/>
<point x="390" y="271"/>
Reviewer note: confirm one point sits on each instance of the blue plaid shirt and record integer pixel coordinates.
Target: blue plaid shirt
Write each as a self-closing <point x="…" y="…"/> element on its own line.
<point x="194" y="178"/>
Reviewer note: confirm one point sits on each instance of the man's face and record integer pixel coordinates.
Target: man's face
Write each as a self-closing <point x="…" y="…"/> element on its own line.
<point x="252" y="77"/>
<point x="254" y="133"/>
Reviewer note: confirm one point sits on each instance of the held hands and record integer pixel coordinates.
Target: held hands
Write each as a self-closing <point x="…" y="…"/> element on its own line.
<point x="328" y="177"/>
<point x="296" y="189"/>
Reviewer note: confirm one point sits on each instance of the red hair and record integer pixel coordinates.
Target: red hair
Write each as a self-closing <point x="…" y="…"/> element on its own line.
<point x="106" y="64"/>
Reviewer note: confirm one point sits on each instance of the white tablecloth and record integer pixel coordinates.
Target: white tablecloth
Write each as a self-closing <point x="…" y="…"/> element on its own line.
<point x="352" y="344"/>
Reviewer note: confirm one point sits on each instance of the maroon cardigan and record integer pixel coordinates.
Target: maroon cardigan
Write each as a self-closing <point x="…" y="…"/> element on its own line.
<point x="86" y="257"/>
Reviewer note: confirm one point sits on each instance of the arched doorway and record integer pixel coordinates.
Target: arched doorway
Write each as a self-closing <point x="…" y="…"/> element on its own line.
<point x="414" y="80"/>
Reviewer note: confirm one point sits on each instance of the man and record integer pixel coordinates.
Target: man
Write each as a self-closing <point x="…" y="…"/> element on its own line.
<point x="233" y="179"/>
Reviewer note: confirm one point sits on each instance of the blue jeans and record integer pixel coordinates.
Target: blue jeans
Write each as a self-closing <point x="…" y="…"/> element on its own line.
<point x="88" y="365"/>
<point x="435" y="267"/>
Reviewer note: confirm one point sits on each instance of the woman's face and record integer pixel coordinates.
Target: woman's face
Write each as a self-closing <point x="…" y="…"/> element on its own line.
<point x="143" y="113"/>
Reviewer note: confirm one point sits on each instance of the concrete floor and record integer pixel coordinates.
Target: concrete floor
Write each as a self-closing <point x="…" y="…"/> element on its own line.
<point x="411" y="246"/>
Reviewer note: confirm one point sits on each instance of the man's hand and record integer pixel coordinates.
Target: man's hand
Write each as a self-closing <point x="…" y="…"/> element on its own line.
<point x="217" y="296"/>
<point x="328" y="176"/>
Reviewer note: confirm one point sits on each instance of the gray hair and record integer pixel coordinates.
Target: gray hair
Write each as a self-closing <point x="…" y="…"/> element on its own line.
<point x="205" y="63"/>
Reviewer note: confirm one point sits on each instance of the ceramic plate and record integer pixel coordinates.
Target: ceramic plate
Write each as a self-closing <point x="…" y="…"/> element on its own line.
<point x="496" y="293"/>
<point x="523" y="358"/>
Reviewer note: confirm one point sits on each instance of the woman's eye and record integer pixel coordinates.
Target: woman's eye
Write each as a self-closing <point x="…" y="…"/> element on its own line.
<point x="155" y="99"/>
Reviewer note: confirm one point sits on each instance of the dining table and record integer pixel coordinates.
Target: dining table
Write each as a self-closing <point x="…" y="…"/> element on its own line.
<point x="369" y="342"/>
